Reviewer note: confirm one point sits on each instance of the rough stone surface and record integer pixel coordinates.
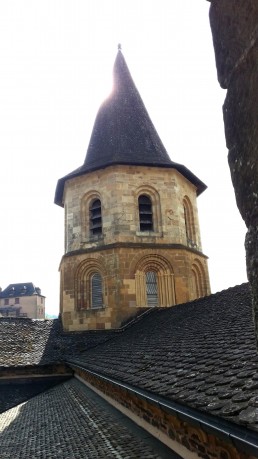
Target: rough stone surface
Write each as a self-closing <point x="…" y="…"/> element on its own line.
<point x="241" y="129"/>
<point x="234" y="29"/>
<point x="119" y="267"/>
<point x="235" y="36"/>
<point x="65" y="423"/>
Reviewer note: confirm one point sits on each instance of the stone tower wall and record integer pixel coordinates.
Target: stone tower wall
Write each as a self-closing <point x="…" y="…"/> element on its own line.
<point x="122" y="253"/>
<point x="119" y="267"/>
<point x="118" y="188"/>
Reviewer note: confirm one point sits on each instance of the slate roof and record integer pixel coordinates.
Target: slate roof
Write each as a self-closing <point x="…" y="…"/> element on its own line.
<point x="123" y="133"/>
<point x="16" y="391"/>
<point x="201" y="354"/>
<point x="69" y="421"/>
<point x="21" y="289"/>
<point x="28" y="342"/>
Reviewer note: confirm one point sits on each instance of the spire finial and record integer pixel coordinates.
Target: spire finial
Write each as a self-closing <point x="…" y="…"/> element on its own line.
<point x="119" y="46"/>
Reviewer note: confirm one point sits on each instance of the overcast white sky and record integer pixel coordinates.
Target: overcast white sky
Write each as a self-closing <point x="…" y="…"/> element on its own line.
<point x="56" y="62"/>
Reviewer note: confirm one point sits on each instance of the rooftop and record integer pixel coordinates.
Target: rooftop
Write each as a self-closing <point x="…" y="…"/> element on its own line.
<point x="20" y="289"/>
<point x="123" y="133"/>
<point x="201" y="354"/>
<point x="41" y="342"/>
<point x="70" y="421"/>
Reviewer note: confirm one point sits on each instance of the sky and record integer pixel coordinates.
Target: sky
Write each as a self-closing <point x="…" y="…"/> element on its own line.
<point x="56" y="62"/>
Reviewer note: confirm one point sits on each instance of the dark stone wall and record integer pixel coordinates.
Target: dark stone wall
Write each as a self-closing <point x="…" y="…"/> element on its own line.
<point x="234" y="25"/>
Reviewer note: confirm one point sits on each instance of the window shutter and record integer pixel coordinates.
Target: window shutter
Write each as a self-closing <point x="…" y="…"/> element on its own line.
<point x="96" y="291"/>
<point x="95" y="217"/>
<point x="151" y="289"/>
<point x="145" y="213"/>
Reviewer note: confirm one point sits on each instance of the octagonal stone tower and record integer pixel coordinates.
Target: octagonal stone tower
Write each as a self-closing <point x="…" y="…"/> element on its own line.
<point x="132" y="238"/>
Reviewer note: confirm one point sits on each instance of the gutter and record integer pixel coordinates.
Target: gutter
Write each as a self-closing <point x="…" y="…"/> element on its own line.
<point x="240" y="437"/>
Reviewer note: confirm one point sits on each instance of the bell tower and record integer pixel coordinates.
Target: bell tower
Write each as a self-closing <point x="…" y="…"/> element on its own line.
<point x="132" y="237"/>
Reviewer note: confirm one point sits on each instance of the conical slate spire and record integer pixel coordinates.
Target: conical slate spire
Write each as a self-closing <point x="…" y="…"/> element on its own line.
<point x="123" y="133"/>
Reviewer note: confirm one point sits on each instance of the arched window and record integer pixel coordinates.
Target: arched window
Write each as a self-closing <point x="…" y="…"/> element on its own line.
<point x="196" y="283"/>
<point x="151" y="288"/>
<point x="95" y="217"/>
<point x="198" y="280"/>
<point x="96" y="291"/>
<point x="189" y="222"/>
<point x="154" y="282"/>
<point x="90" y="285"/>
<point x="145" y="213"/>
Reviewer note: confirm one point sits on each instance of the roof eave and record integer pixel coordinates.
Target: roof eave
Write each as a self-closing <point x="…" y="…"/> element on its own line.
<point x="200" y="186"/>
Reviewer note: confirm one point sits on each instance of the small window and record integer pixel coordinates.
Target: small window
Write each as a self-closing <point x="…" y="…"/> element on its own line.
<point x="187" y="229"/>
<point x="17" y="301"/>
<point x="6" y="301"/>
<point x="95" y="217"/>
<point x="145" y="213"/>
<point x="96" y="291"/>
<point x="11" y="291"/>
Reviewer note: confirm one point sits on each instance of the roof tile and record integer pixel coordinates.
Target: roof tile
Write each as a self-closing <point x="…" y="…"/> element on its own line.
<point x="201" y="354"/>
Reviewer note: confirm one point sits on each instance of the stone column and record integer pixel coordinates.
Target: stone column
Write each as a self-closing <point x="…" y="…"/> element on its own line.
<point x="140" y="289"/>
<point x="234" y="25"/>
